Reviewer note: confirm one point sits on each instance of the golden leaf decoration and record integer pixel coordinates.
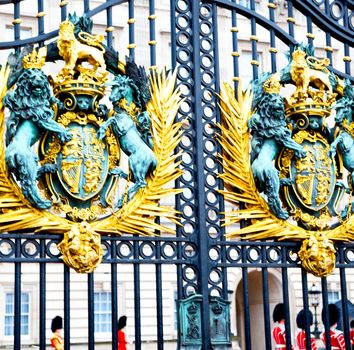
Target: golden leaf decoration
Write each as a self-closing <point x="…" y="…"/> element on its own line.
<point x="240" y="189"/>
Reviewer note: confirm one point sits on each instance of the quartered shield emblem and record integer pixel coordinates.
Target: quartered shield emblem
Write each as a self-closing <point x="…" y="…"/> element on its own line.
<point x="313" y="177"/>
<point x="83" y="162"/>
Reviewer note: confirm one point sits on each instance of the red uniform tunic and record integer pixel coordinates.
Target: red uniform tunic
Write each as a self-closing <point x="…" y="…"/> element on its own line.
<point x="352" y="336"/>
<point x="337" y="339"/>
<point x="122" y="343"/>
<point x="57" y="342"/>
<point x="279" y="336"/>
<point x="301" y="341"/>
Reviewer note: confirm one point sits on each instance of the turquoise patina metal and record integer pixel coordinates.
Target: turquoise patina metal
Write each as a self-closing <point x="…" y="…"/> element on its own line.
<point x="31" y="116"/>
<point x="190" y="323"/>
<point x="129" y="98"/>
<point x="269" y="135"/>
<point x="292" y="146"/>
<point x="345" y="139"/>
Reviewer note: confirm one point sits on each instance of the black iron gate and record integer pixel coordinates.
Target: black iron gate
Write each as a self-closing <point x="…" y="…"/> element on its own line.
<point x="211" y="41"/>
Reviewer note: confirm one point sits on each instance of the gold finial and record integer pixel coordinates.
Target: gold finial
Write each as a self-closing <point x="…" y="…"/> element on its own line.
<point x="272" y="85"/>
<point x="35" y="59"/>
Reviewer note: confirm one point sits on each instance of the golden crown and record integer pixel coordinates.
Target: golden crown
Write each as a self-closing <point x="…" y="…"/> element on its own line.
<point x="35" y="59"/>
<point x="314" y="93"/>
<point x="82" y="81"/>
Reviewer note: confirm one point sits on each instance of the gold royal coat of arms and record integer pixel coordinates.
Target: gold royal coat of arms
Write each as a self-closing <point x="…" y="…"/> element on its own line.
<point x="288" y="157"/>
<point x="89" y="150"/>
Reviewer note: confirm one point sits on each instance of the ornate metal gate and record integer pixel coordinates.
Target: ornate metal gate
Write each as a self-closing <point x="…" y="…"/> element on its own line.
<point x="211" y="41"/>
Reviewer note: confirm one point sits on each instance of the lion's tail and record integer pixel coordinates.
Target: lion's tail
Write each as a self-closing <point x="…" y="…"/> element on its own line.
<point x="92" y="40"/>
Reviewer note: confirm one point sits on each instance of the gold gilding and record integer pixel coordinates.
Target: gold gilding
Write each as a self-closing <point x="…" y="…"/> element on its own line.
<point x="81" y="248"/>
<point x="317" y="255"/>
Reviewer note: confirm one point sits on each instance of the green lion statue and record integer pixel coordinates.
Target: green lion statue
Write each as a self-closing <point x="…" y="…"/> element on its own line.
<point x="31" y="115"/>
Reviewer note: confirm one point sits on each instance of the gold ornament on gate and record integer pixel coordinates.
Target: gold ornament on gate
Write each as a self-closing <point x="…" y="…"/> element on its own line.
<point x="317" y="255"/>
<point x="81" y="248"/>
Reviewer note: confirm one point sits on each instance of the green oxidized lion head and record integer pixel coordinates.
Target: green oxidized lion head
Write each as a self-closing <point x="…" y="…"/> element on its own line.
<point x="269" y="117"/>
<point x="32" y="89"/>
<point x="30" y="99"/>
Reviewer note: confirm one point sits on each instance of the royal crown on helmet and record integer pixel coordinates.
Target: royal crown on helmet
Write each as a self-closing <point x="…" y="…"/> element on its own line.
<point x="313" y="94"/>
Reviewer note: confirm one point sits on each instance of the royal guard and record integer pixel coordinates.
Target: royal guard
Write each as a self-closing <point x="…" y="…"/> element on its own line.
<point x="279" y="329"/>
<point x="301" y="334"/>
<point x="352" y="333"/>
<point x="57" y="341"/>
<point x="337" y="336"/>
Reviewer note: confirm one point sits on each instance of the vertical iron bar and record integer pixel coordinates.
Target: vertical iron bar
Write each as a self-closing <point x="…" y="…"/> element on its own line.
<point x="325" y="314"/>
<point x="221" y="207"/>
<point x="91" y="311"/>
<point x="202" y="233"/>
<point x="344" y="297"/>
<point x="17" y="313"/>
<point x="273" y="50"/>
<point x="131" y="22"/>
<point x="291" y="20"/>
<point x="310" y="35"/>
<point x="66" y="307"/>
<point x="109" y="28"/>
<point x="16" y="23"/>
<point x="114" y="294"/>
<point x="159" y="306"/>
<point x="152" y="29"/>
<point x="235" y="53"/>
<point x="285" y="283"/>
<point x="63" y="9"/>
<point x="173" y="33"/>
<point x="86" y="6"/>
<point x="246" y="302"/>
<point x="40" y="16"/>
<point x="42" y="297"/>
<point x="328" y="47"/>
<point x="254" y="40"/>
<point x="306" y="307"/>
<point x="347" y="58"/>
<point x="265" y="289"/>
<point x="137" y="298"/>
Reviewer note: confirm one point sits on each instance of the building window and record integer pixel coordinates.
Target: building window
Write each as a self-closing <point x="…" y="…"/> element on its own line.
<point x="333" y="296"/>
<point x="10" y="314"/>
<point x="103" y="312"/>
<point x="246" y="71"/>
<point x="247" y="3"/>
<point x="25" y="33"/>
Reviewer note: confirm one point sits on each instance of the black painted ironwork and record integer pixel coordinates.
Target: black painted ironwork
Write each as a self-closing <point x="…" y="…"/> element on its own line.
<point x="201" y="253"/>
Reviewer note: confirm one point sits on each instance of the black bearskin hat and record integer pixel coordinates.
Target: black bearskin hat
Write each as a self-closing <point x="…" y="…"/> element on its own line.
<point x="301" y="318"/>
<point x="333" y="314"/>
<point x="352" y="324"/>
<point x="122" y="322"/>
<point x="57" y="323"/>
<point x="278" y="313"/>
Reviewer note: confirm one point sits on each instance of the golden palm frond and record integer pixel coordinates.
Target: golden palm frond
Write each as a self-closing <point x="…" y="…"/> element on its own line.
<point x="139" y="215"/>
<point x="237" y="176"/>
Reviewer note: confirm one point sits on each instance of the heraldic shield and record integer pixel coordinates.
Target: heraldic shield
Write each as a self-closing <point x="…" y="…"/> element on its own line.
<point x="288" y="156"/>
<point x="313" y="177"/>
<point x="61" y="167"/>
